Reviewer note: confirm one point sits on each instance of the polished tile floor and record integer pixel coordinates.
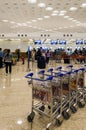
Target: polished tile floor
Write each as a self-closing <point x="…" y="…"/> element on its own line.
<point x="15" y="102"/>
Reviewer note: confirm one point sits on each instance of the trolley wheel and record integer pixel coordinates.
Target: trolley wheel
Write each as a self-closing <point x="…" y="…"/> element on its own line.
<point x="73" y="109"/>
<point x="85" y="99"/>
<point x="42" y="108"/>
<point x="66" y="114"/>
<point x="59" y="120"/>
<point x="49" y="126"/>
<point x="81" y="104"/>
<point x="49" y="107"/>
<point x="30" y="117"/>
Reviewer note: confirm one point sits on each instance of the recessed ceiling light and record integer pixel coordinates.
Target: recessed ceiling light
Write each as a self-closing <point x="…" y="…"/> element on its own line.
<point x="12" y="22"/>
<point x="71" y="26"/>
<point x="32" y="1"/>
<point x="63" y="11"/>
<point x="83" y="5"/>
<point x="19" y="24"/>
<point x="74" y="20"/>
<point x="28" y="22"/>
<point x="40" y="18"/>
<point x="66" y="16"/>
<point x="34" y="20"/>
<point x="73" y="9"/>
<point x="41" y="5"/>
<point x="24" y="24"/>
<point x="5" y="20"/>
<point x="70" y="18"/>
<point x="61" y="14"/>
<point x="49" y="8"/>
<point x="55" y="11"/>
<point x="53" y="14"/>
<point x="46" y="16"/>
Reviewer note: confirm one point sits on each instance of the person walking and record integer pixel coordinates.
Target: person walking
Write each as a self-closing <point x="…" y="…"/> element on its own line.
<point x="1" y="58"/>
<point x="8" y="62"/>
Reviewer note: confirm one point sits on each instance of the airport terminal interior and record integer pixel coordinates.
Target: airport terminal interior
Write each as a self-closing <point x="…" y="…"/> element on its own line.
<point x="43" y="65"/>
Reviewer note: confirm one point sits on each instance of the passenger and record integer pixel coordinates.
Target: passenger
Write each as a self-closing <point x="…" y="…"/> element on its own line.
<point x="23" y="59"/>
<point x="28" y="58"/>
<point x="8" y="62"/>
<point x="1" y="58"/>
<point x="33" y="53"/>
<point x="47" y="56"/>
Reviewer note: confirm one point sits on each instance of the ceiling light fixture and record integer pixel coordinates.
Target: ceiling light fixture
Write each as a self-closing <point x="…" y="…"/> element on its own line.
<point x="61" y="14"/>
<point x="40" y="18"/>
<point x="63" y="11"/>
<point x="66" y="17"/>
<point x="53" y="14"/>
<point x="74" y="20"/>
<point x="73" y="9"/>
<point x="41" y="5"/>
<point x="83" y="5"/>
<point x="55" y="11"/>
<point x="32" y="1"/>
<point x="70" y="18"/>
<point x="46" y="16"/>
<point x="28" y="22"/>
<point x="49" y="8"/>
<point x="5" y="20"/>
<point x="12" y="22"/>
<point x="34" y="20"/>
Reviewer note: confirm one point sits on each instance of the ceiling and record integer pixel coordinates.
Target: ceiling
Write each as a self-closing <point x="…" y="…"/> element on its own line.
<point x="25" y="16"/>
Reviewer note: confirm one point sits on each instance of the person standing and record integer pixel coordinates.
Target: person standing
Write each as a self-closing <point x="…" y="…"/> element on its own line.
<point x="47" y="56"/>
<point x="28" y="57"/>
<point x="8" y="62"/>
<point x="1" y="58"/>
<point x="33" y="53"/>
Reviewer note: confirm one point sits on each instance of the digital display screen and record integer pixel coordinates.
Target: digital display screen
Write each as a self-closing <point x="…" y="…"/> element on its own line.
<point x="54" y="42"/>
<point x="79" y="42"/>
<point x="62" y="41"/>
<point x="37" y="42"/>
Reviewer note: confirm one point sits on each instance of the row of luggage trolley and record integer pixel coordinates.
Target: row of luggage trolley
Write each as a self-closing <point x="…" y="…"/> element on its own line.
<point x="57" y="94"/>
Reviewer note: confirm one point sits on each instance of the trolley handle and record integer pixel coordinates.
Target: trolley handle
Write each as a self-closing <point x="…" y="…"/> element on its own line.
<point x="50" y="70"/>
<point x="76" y="71"/>
<point x="29" y="75"/>
<point x="59" y="68"/>
<point x="60" y="74"/>
<point x="70" y="66"/>
<point x="68" y="73"/>
<point x="43" y="80"/>
<point x="82" y="69"/>
<point x="41" y="72"/>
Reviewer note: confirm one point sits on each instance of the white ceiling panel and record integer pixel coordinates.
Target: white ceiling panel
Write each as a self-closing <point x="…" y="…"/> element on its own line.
<point x="24" y="16"/>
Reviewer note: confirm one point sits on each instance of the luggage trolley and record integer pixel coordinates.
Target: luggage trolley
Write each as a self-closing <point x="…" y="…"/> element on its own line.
<point x="84" y="82"/>
<point x="57" y="98"/>
<point x="81" y="88"/>
<point x="43" y="97"/>
<point x="63" y="89"/>
<point x="72" y="105"/>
